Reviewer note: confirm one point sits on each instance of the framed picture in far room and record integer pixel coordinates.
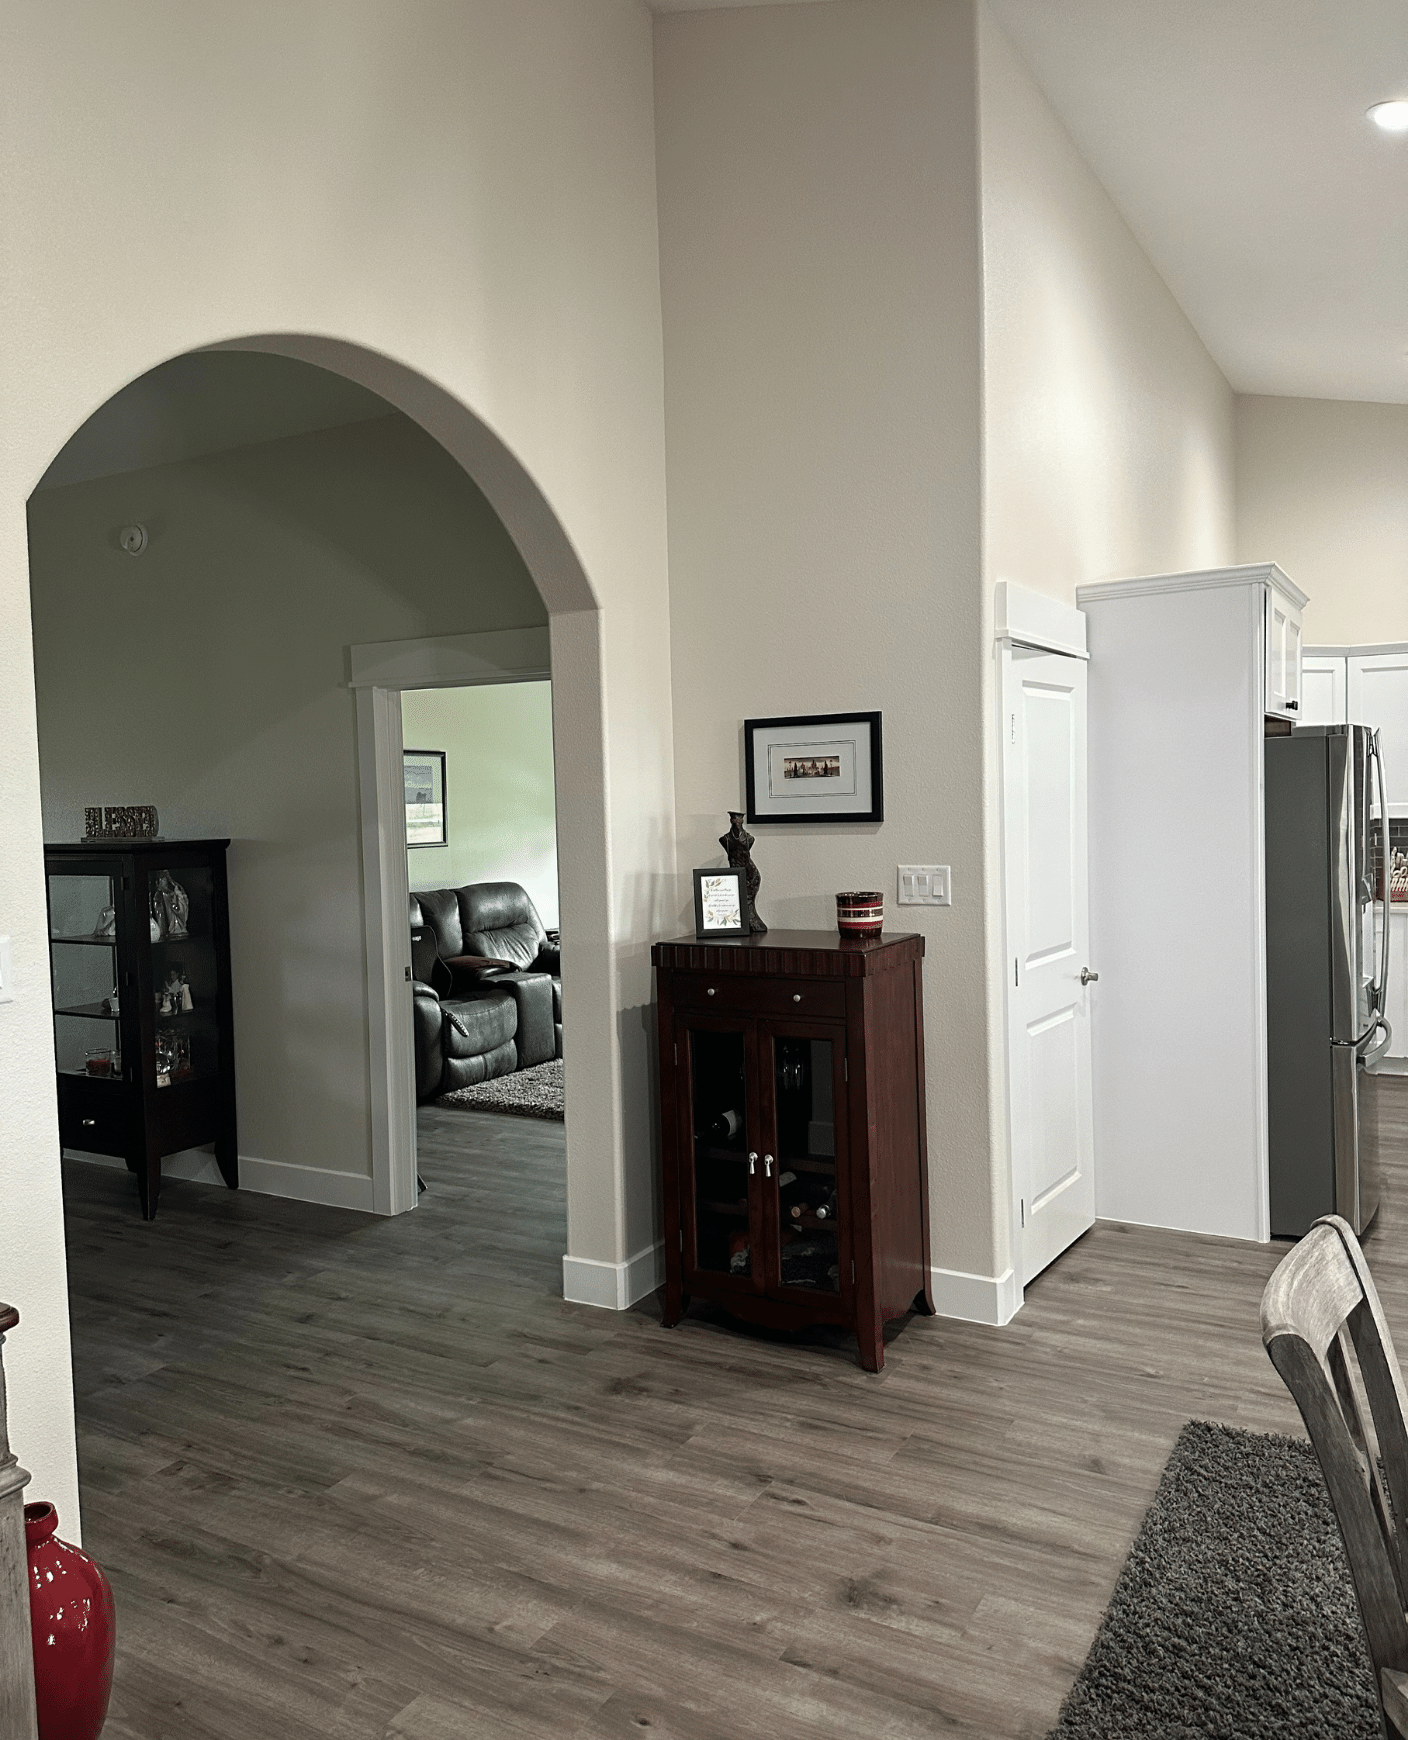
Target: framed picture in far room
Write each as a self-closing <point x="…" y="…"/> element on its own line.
<point x="427" y="818"/>
<point x="720" y="907"/>
<point x="814" y="767"/>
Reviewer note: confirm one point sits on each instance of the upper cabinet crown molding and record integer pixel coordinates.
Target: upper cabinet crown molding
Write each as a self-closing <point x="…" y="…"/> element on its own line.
<point x="1026" y="618"/>
<point x="1376" y="649"/>
<point x="1206" y="579"/>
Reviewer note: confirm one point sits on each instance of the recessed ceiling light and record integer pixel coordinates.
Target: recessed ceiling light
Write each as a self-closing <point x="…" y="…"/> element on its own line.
<point x="1392" y="116"/>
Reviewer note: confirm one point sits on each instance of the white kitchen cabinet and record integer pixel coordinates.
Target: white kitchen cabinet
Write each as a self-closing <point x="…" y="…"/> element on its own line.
<point x="1397" y="1006"/>
<point x="1182" y="677"/>
<point x="1281" y="648"/>
<point x="1378" y="695"/>
<point x="1323" y="687"/>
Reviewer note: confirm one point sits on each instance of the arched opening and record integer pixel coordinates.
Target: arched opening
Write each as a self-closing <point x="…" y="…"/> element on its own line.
<point x="121" y="664"/>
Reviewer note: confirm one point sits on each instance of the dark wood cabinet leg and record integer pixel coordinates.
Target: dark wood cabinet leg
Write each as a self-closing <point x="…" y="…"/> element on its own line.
<point x="149" y="1183"/>
<point x="228" y="1161"/>
<point x="871" y="1337"/>
<point x="676" y="1304"/>
<point x="924" y="1298"/>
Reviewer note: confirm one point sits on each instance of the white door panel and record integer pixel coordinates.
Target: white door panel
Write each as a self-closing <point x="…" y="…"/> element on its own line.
<point x="1048" y="929"/>
<point x="1378" y="695"/>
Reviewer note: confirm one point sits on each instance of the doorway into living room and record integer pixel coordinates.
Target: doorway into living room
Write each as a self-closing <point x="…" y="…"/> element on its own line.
<point x="481" y="851"/>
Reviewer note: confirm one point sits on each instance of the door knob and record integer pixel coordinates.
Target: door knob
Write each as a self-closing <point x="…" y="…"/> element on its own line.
<point x="1087" y="977"/>
<point x="752" y="1162"/>
<point x="767" y="1165"/>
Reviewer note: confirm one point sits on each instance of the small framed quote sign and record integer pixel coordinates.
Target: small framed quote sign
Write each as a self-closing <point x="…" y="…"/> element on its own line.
<point x="719" y="908"/>
<point x="814" y="767"/>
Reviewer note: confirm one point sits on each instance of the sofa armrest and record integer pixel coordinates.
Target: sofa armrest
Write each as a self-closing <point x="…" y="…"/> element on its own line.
<point x="537" y="1031"/>
<point x="549" y="961"/>
<point x="421" y="989"/>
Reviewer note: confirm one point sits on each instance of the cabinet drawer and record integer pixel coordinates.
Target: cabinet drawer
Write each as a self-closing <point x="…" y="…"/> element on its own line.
<point x="722" y="993"/>
<point x="94" y="1115"/>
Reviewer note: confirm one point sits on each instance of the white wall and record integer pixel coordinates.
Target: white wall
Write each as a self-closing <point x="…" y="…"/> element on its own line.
<point x="819" y="269"/>
<point x="209" y="676"/>
<point x="1322" y="488"/>
<point x="456" y="204"/>
<point x="1109" y="428"/>
<point x="497" y="741"/>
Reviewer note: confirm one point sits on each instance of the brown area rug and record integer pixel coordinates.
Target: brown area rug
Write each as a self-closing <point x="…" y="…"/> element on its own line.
<point x="1234" y="1617"/>
<point x="527" y="1093"/>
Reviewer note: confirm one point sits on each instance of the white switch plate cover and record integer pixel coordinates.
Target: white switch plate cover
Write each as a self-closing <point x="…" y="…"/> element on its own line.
<point x="7" y="990"/>
<point x="925" y="885"/>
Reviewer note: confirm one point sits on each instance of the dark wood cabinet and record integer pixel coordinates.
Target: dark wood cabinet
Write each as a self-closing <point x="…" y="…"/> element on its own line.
<point x="139" y="952"/>
<point x="792" y="1129"/>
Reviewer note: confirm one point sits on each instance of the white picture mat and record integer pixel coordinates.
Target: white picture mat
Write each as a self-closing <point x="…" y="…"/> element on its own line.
<point x="848" y="794"/>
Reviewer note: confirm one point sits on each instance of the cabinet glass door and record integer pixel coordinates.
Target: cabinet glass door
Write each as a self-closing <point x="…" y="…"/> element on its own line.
<point x="83" y="956"/>
<point x="185" y="982"/>
<point x="804" y="1104"/>
<point x="722" y="1203"/>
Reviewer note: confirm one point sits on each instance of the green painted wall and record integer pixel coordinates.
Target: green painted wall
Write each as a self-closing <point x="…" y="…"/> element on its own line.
<point x="499" y="777"/>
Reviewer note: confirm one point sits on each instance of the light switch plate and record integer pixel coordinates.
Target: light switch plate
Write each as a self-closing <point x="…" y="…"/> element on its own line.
<point x="925" y="885"/>
<point x="7" y="990"/>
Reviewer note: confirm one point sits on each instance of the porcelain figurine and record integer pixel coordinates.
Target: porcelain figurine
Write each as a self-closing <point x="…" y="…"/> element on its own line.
<point x="176" y="904"/>
<point x="738" y="846"/>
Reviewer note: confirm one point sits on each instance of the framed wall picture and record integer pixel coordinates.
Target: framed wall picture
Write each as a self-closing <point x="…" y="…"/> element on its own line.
<point x="720" y="904"/>
<point x="427" y="817"/>
<point x="814" y="767"/>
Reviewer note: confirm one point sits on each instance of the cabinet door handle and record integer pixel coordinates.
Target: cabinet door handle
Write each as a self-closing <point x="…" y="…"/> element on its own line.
<point x="90" y="1123"/>
<point x="796" y="996"/>
<point x="767" y="1165"/>
<point x="709" y="992"/>
<point x="1294" y="706"/>
<point x="752" y="1162"/>
<point x="1087" y="977"/>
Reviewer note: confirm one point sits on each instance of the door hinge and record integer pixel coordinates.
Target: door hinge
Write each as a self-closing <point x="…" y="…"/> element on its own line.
<point x="1013" y="737"/>
<point x="853" y="1271"/>
<point x="681" y="1238"/>
<point x="1023" y="1205"/>
<point x="677" y="1052"/>
<point x="1014" y="970"/>
<point x="845" y="1069"/>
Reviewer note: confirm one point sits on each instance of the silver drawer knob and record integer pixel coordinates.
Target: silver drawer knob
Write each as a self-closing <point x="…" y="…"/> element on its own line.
<point x="1087" y="977"/>
<point x="796" y="996"/>
<point x="709" y="992"/>
<point x="90" y="1123"/>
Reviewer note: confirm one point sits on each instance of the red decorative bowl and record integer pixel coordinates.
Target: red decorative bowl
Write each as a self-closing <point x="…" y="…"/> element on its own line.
<point x="75" y="1632"/>
<point x="860" y="914"/>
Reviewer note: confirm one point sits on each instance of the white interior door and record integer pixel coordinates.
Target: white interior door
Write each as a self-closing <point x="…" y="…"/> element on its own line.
<point x="1045" y="861"/>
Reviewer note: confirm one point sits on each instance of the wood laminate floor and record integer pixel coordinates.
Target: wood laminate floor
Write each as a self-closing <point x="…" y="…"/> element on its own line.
<point x="369" y="1479"/>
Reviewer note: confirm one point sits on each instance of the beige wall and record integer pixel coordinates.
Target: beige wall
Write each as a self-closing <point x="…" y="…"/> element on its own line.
<point x="819" y="270"/>
<point x="498" y="771"/>
<point x="456" y="204"/>
<point x="1322" y="488"/>
<point x="1108" y="447"/>
<point x="209" y="676"/>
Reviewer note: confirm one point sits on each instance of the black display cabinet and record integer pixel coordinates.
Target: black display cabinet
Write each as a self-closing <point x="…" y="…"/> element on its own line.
<point x="139" y="953"/>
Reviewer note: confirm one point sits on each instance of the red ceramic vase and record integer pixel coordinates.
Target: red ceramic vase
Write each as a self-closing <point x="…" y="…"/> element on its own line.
<point x="75" y="1632"/>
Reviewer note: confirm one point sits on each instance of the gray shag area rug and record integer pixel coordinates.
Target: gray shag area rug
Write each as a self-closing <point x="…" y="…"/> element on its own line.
<point x="1234" y="1617"/>
<point x="528" y="1093"/>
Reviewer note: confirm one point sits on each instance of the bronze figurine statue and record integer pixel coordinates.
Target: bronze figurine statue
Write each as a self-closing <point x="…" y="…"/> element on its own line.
<point x="738" y="845"/>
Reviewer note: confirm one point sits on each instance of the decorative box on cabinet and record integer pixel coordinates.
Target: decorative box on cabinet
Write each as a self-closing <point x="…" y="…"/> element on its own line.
<point x="138" y="1083"/>
<point x="792" y="1079"/>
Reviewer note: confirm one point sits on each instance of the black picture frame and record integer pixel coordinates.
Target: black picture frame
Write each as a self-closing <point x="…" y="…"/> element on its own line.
<point x="848" y="742"/>
<point x="739" y="904"/>
<point x="417" y="826"/>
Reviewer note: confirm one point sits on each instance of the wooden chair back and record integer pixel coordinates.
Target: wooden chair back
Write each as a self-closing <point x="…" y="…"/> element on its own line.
<point x="1324" y="1328"/>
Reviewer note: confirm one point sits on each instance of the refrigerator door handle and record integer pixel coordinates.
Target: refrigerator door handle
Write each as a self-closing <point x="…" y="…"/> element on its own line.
<point x="1372" y="1056"/>
<point x="1385" y="876"/>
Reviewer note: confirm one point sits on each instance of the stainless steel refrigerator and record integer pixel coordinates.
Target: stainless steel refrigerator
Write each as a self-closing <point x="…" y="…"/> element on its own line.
<point x="1327" y="964"/>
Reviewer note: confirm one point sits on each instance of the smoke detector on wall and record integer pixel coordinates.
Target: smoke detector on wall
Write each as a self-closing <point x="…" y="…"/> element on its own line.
<point x="133" y="539"/>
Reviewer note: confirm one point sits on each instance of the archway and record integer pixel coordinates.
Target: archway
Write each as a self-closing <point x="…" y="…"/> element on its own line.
<point x="562" y="584"/>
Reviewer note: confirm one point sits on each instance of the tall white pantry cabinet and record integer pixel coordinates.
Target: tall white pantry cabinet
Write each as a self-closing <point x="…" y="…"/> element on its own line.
<point x="1185" y="669"/>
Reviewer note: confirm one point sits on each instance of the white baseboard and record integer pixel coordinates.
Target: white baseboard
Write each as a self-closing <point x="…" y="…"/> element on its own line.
<point x="994" y="1299"/>
<point x="614" y="1286"/>
<point x="263" y="1177"/>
